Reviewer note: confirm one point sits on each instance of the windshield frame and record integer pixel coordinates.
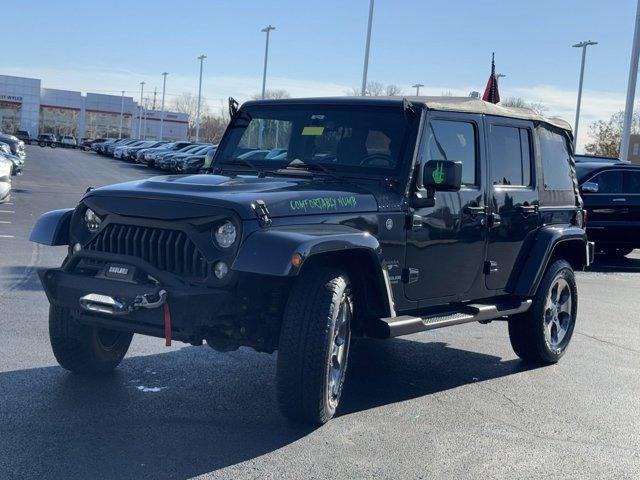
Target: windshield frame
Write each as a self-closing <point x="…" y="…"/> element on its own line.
<point x="278" y="167"/>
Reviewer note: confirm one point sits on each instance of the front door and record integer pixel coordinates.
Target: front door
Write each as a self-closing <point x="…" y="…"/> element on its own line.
<point x="446" y="243"/>
<point x="513" y="216"/>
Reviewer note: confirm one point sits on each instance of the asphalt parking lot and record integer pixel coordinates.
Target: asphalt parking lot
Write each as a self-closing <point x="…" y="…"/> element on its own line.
<point x="453" y="403"/>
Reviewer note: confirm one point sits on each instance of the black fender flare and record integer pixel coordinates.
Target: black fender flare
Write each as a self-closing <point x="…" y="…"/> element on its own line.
<point x="52" y="228"/>
<point x="269" y="251"/>
<point x="573" y="241"/>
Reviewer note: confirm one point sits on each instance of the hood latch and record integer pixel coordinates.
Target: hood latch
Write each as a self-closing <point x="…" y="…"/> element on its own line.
<point x="262" y="212"/>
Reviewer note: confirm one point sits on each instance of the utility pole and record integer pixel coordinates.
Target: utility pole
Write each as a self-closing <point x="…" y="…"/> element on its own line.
<point x="584" y="46"/>
<point x="201" y="58"/>
<point x="155" y="93"/>
<point x="363" y="90"/>
<point x="121" y="114"/>
<point x="417" y="87"/>
<point x="266" y="30"/>
<point x="164" y="87"/>
<point x="140" y="110"/>
<point x="631" y="90"/>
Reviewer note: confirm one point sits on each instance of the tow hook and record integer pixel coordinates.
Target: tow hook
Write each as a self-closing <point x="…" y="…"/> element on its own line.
<point x="99" y="303"/>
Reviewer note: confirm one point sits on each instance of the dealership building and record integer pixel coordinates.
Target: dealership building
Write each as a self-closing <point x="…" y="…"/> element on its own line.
<point x="26" y="105"/>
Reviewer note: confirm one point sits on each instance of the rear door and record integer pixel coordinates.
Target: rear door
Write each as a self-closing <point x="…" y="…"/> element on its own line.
<point x="513" y="198"/>
<point x="607" y="209"/>
<point x="631" y="188"/>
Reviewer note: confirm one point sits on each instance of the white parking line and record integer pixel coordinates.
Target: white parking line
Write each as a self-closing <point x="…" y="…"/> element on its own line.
<point x="7" y="211"/>
<point x="5" y="221"/>
<point x="7" y="236"/>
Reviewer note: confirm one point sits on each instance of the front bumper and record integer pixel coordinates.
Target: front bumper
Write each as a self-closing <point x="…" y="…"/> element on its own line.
<point x="86" y="276"/>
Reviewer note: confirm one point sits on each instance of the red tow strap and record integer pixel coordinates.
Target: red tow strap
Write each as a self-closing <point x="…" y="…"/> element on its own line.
<point x="167" y="325"/>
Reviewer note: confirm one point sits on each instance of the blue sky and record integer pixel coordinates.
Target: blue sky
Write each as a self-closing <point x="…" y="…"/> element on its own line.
<point x="318" y="47"/>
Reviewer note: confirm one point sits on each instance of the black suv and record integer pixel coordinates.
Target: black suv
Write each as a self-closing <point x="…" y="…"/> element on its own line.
<point x="376" y="216"/>
<point x="611" y="192"/>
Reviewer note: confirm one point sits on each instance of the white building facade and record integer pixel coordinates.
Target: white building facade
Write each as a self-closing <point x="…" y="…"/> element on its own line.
<point x="26" y="105"/>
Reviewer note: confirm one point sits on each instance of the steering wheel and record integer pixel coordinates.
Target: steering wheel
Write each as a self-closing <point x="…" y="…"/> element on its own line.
<point x="379" y="157"/>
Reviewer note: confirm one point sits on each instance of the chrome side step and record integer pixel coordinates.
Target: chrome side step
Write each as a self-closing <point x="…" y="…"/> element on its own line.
<point x="406" y="324"/>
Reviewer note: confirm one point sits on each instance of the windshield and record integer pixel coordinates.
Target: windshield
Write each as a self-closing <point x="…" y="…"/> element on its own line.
<point x="349" y="138"/>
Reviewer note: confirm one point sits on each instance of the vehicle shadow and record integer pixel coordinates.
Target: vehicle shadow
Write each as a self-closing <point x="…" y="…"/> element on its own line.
<point x="603" y="263"/>
<point x="23" y="278"/>
<point x="194" y="411"/>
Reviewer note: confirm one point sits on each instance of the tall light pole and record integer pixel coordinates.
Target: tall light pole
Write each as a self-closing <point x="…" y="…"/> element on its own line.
<point x="584" y="46"/>
<point x="201" y="58"/>
<point x="631" y="90"/>
<point x="266" y="30"/>
<point x="140" y="111"/>
<point x="363" y="90"/>
<point x="121" y="114"/>
<point x="417" y="87"/>
<point x="164" y="87"/>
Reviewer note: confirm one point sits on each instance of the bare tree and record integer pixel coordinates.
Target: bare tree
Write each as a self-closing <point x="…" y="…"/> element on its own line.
<point x="605" y="135"/>
<point x="274" y="94"/>
<point x="392" y="90"/>
<point x="376" y="89"/>
<point x="188" y="103"/>
<point x="519" y="102"/>
<point x="447" y="93"/>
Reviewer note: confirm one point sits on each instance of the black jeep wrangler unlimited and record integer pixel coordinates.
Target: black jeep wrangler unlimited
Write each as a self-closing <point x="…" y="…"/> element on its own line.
<point x="326" y="219"/>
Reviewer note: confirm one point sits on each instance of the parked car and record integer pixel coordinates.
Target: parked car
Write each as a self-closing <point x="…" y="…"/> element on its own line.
<point x="151" y="155"/>
<point x="132" y="153"/>
<point x="389" y="216"/>
<point x="23" y="135"/>
<point x="16" y="145"/>
<point x="611" y="193"/>
<point x="595" y="158"/>
<point x="163" y="161"/>
<point x="194" y="163"/>
<point x="68" y="140"/>
<point x="170" y="162"/>
<point x="6" y="167"/>
<point x="16" y="161"/>
<point x="47" y="139"/>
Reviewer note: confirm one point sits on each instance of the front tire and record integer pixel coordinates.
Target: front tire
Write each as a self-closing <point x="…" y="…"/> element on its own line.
<point x="84" y="349"/>
<point x="314" y="345"/>
<point x="542" y="334"/>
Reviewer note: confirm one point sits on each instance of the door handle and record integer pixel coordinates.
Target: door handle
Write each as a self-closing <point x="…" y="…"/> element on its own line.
<point x="528" y="208"/>
<point x="474" y="210"/>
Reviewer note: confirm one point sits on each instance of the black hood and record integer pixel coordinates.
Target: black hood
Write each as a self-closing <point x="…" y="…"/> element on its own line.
<point x="284" y="196"/>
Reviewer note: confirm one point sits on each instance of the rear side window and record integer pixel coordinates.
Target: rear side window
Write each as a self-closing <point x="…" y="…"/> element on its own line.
<point x="632" y="182"/>
<point x="555" y="160"/>
<point x="510" y="156"/>
<point x="455" y="141"/>
<point x="609" y="181"/>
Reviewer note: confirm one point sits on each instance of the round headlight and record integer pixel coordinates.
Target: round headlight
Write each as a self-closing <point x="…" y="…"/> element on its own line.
<point x="92" y="221"/>
<point x="225" y="234"/>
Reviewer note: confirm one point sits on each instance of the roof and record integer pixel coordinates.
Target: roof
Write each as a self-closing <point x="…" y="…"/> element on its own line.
<point x="445" y="104"/>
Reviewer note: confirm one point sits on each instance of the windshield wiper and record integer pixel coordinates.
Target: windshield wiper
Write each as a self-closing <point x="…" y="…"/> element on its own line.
<point x="297" y="163"/>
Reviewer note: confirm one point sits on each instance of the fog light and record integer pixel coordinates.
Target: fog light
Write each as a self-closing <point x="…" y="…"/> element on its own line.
<point x="220" y="269"/>
<point x="77" y="247"/>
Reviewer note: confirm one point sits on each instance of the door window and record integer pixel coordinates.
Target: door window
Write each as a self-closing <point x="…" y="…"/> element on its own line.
<point x="609" y="182"/>
<point x="632" y="182"/>
<point x="454" y="141"/>
<point x="510" y="156"/>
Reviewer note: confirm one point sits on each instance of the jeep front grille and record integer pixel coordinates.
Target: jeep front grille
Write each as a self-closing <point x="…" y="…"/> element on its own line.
<point x="168" y="250"/>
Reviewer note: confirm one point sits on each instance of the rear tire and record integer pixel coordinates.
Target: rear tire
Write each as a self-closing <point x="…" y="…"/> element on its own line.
<point x="84" y="349"/>
<point x="542" y="334"/>
<point x="314" y="345"/>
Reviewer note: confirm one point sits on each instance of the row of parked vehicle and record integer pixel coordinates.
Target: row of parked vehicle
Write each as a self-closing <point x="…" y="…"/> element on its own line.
<point x="12" y="157"/>
<point x="174" y="157"/>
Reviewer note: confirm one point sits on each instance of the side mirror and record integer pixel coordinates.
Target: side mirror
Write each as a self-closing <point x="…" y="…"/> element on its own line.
<point x="442" y="175"/>
<point x="590" y="187"/>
